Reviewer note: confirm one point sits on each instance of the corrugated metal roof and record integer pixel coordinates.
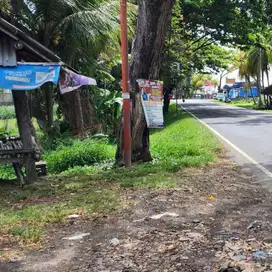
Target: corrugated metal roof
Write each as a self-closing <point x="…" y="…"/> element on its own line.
<point x="32" y="50"/>
<point x="7" y="51"/>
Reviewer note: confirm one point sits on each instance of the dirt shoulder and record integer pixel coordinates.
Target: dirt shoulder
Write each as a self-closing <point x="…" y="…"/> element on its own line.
<point x="217" y="217"/>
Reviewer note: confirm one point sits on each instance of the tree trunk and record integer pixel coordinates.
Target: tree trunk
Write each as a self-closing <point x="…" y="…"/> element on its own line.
<point x="259" y="84"/>
<point x="78" y="111"/>
<point x="48" y="92"/>
<point x="166" y="101"/>
<point x="152" y="24"/>
<point x="259" y="91"/>
<point x="220" y="83"/>
<point x="25" y="128"/>
<point x="79" y="114"/>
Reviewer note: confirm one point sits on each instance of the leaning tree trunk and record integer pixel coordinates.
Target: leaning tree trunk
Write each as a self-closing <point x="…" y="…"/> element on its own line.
<point x="26" y="129"/>
<point x="152" y="24"/>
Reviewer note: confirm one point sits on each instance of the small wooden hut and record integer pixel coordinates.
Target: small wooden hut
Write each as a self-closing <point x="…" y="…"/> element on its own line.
<point x="16" y="46"/>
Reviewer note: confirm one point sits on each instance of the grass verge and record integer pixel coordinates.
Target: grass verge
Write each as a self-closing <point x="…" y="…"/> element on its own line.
<point x="26" y="212"/>
<point x="243" y="103"/>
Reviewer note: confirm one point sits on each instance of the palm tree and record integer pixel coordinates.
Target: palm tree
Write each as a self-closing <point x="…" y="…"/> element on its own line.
<point x="77" y="30"/>
<point x="255" y="64"/>
<point x="244" y="73"/>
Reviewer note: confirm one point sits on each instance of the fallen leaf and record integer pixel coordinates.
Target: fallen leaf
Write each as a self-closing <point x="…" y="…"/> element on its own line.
<point x="212" y="197"/>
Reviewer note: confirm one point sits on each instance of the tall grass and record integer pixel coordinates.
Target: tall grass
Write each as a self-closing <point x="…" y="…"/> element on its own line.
<point x="80" y="153"/>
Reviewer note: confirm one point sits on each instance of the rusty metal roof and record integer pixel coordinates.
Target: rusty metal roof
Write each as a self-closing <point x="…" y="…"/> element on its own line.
<point x="29" y="50"/>
<point x="7" y="51"/>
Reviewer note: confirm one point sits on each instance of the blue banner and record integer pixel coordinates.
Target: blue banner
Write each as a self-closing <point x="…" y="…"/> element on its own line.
<point x="28" y="76"/>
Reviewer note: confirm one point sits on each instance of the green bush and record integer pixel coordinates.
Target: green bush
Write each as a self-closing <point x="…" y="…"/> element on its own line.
<point x="7" y="112"/>
<point x="7" y="172"/>
<point x="80" y="153"/>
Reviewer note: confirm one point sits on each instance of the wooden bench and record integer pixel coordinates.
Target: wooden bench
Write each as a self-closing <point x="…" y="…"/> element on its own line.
<point x="12" y="151"/>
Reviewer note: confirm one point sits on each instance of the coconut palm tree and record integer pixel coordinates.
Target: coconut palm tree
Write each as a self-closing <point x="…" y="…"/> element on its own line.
<point x="77" y="30"/>
<point x="255" y="64"/>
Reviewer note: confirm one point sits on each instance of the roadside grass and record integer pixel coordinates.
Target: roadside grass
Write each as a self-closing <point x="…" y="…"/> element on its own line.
<point x="243" y="103"/>
<point x="25" y="213"/>
<point x="248" y="104"/>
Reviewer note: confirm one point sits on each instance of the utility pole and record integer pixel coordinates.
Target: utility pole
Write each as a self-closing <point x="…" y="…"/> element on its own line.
<point x="125" y="84"/>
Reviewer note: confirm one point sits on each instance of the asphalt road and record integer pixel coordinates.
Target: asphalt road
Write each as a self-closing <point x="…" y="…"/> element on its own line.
<point x="249" y="130"/>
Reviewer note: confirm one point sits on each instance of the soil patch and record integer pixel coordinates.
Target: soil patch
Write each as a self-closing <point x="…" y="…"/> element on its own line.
<point x="217" y="218"/>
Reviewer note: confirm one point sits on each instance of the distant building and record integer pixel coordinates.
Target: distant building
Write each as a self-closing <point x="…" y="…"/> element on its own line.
<point x="232" y="77"/>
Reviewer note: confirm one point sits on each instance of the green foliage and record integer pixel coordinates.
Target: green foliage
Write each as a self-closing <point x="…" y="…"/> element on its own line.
<point x="108" y="106"/>
<point x="7" y="172"/>
<point x="8" y="127"/>
<point x="62" y="138"/>
<point x="200" y="28"/>
<point x="7" y="112"/>
<point x="80" y="153"/>
<point x="78" y="30"/>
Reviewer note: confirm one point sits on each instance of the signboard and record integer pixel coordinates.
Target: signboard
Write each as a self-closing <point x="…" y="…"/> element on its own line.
<point x="151" y="95"/>
<point x="28" y="76"/>
<point x="70" y="81"/>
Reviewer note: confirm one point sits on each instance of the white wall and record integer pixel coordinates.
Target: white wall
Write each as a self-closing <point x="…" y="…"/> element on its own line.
<point x="235" y="74"/>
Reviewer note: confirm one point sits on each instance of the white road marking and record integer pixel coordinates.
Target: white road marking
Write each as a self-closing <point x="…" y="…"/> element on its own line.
<point x="263" y="169"/>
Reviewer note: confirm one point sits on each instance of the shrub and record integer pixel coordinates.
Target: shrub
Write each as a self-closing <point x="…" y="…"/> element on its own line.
<point x="7" y="172"/>
<point x="80" y="153"/>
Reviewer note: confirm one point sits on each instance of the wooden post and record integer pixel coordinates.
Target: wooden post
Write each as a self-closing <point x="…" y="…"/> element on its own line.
<point x="25" y="128"/>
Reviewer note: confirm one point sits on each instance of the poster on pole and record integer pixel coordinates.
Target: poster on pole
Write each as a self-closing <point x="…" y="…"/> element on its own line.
<point x="151" y="96"/>
<point x="28" y="76"/>
<point x="71" y="81"/>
